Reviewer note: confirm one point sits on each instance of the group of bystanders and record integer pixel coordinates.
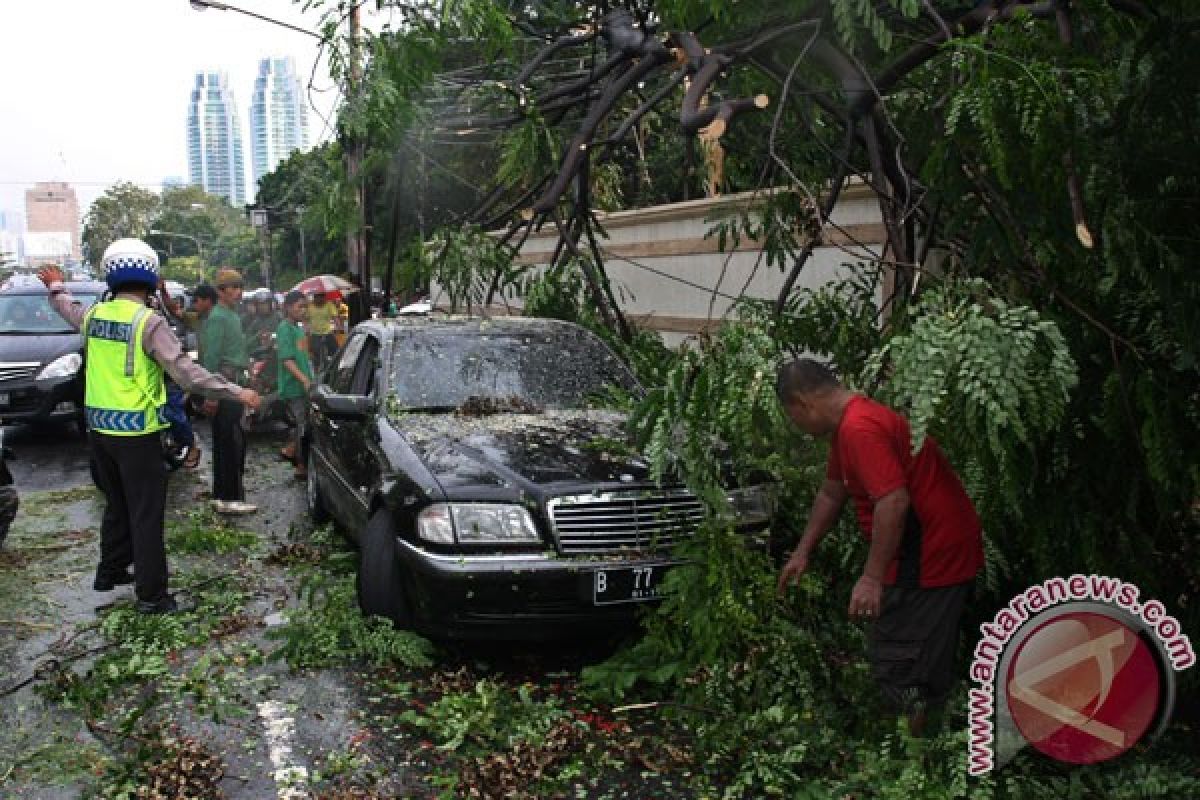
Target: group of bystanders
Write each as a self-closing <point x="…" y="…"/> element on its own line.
<point x="136" y="374"/>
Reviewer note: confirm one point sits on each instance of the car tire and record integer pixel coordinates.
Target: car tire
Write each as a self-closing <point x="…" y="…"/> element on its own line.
<point x="380" y="589"/>
<point x="312" y="491"/>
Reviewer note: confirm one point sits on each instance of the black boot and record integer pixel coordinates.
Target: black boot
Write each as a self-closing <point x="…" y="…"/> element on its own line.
<point x="106" y="583"/>
<point x="165" y="606"/>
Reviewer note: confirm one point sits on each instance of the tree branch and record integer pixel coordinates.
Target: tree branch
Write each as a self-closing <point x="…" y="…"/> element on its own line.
<point x="645" y="107"/>
<point x="965" y="25"/>
<point x="835" y="191"/>
<point x="577" y="149"/>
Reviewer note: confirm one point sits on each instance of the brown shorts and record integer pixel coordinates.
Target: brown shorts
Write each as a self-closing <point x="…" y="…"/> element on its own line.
<point x="912" y="645"/>
<point x="296" y="412"/>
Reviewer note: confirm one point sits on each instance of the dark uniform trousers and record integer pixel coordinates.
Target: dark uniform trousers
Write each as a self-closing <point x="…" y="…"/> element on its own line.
<point x="229" y="451"/>
<point x="131" y="473"/>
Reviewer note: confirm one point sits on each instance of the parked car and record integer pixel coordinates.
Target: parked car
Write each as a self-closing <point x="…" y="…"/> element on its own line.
<point x="41" y="357"/>
<point x="488" y="496"/>
<point x="419" y="307"/>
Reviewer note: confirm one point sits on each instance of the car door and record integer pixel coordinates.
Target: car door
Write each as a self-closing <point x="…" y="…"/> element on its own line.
<point x="354" y="443"/>
<point x="325" y="430"/>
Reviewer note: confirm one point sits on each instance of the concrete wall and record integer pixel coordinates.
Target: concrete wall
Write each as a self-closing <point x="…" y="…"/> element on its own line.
<point x="664" y="270"/>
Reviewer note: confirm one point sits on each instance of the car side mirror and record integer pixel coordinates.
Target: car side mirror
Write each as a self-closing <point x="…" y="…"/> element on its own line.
<point x="345" y="406"/>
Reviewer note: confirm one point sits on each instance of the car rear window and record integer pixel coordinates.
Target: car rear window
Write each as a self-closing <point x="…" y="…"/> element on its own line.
<point x="559" y="368"/>
<point x="32" y="313"/>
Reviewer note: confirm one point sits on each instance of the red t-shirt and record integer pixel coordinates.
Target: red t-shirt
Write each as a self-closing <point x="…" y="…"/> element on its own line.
<point x="871" y="454"/>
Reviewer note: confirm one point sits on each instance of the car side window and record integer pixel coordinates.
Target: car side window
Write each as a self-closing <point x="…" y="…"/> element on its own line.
<point x="364" y="371"/>
<point x="342" y="377"/>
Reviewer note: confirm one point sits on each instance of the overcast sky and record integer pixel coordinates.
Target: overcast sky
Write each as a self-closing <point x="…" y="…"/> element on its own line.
<point x="96" y="91"/>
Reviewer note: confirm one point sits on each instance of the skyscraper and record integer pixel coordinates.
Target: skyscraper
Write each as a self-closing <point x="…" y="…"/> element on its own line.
<point x="278" y="115"/>
<point x="214" y="133"/>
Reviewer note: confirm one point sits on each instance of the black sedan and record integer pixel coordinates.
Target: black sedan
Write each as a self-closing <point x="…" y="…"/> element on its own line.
<point x="41" y="356"/>
<point x="488" y="496"/>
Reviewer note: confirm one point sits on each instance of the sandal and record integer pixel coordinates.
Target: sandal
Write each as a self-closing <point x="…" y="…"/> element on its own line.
<point x="193" y="457"/>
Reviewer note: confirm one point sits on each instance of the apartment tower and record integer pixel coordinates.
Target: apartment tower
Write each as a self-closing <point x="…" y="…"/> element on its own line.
<point x="214" y="139"/>
<point x="278" y="115"/>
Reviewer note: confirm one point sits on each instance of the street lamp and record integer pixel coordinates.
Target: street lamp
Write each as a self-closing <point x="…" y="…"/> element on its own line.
<point x="204" y="5"/>
<point x="196" y="241"/>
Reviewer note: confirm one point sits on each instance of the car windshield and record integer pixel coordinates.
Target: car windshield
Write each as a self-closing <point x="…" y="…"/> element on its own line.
<point x="32" y="314"/>
<point x="555" y="368"/>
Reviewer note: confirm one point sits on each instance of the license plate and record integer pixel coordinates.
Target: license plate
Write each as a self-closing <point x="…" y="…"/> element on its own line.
<point x="4" y="398"/>
<point x="627" y="584"/>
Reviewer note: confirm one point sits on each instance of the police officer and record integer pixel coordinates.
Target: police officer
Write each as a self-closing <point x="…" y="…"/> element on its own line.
<point x="128" y="348"/>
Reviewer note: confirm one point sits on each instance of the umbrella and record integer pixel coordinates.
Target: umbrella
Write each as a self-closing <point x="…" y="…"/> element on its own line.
<point x="326" y="284"/>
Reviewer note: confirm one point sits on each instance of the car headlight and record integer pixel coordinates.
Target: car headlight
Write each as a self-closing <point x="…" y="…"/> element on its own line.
<point x="477" y="523"/>
<point x="753" y="505"/>
<point x="61" y="367"/>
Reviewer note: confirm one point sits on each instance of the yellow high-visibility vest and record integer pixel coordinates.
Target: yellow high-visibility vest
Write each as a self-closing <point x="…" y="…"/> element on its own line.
<point x="125" y="394"/>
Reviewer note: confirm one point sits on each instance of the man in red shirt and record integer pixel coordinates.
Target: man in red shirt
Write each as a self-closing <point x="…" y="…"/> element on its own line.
<point x="925" y="539"/>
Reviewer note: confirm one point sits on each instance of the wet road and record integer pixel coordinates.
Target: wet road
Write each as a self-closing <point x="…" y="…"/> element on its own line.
<point x="50" y="457"/>
<point x="276" y="731"/>
<point x="52" y="465"/>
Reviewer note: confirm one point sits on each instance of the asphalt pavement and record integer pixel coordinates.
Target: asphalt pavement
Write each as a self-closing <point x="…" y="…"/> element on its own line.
<point x="46" y="593"/>
<point x="47" y="457"/>
<point x="278" y="732"/>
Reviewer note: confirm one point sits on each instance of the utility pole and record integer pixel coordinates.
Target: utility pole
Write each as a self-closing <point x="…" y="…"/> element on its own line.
<point x="356" y="239"/>
<point x="266" y="257"/>
<point x="260" y="221"/>
<point x="303" y="257"/>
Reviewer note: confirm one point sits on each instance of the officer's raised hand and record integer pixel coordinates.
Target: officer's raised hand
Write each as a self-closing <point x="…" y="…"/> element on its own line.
<point x="49" y="274"/>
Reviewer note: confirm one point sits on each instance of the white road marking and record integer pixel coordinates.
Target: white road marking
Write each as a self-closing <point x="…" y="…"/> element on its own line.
<point x="291" y="779"/>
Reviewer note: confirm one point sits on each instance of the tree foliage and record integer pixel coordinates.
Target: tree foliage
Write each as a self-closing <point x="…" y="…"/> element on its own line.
<point x="1037" y="183"/>
<point x="124" y="210"/>
<point x="195" y="232"/>
<point x="305" y="217"/>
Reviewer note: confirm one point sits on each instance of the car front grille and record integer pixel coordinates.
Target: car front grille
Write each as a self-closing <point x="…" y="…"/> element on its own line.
<point x="636" y="521"/>
<point x="18" y="370"/>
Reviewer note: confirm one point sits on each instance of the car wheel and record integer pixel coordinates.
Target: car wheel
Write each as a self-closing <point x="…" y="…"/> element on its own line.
<point x="312" y="491"/>
<point x="380" y="592"/>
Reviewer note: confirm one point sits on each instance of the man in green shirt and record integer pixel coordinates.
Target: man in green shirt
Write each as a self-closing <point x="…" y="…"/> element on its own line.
<point x="295" y="372"/>
<point x="223" y="348"/>
<point x="204" y="299"/>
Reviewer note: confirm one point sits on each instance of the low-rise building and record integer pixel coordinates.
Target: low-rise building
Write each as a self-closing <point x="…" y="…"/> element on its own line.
<point x="52" y="207"/>
<point x="48" y="247"/>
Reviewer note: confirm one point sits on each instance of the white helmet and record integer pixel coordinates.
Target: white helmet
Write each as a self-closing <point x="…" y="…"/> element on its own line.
<point x="130" y="261"/>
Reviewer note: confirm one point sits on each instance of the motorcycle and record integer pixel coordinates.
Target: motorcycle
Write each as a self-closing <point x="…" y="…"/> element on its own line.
<point x="262" y="379"/>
